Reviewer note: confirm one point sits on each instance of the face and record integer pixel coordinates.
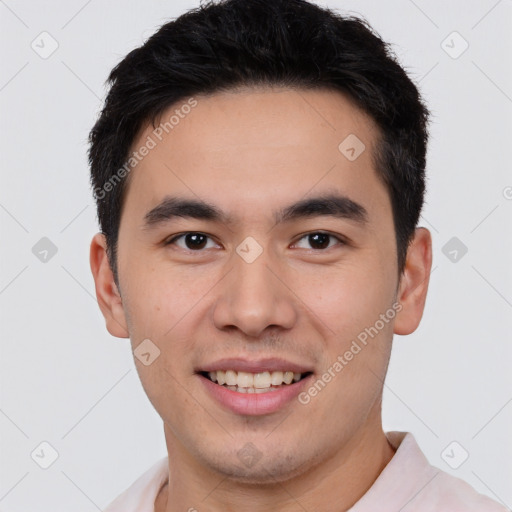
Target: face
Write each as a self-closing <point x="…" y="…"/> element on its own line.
<point x="254" y="250"/>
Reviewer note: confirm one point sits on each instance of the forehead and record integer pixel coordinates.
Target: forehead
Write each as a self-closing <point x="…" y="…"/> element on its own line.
<point x="245" y="146"/>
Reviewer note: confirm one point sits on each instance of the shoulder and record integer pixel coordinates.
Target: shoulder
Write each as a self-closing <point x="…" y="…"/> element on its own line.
<point x="409" y="483"/>
<point x="451" y="494"/>
<point x="441" y="492"/>
<point x="141" y="495"/>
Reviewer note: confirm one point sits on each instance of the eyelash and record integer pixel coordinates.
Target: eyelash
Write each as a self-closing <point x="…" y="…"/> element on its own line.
<point x="340" y="240"/>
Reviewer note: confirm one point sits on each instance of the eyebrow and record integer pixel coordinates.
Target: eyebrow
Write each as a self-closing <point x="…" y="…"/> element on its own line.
<point x="334" y="205"/>
<point x="330" y="205"/>
<point x="172" y="207"/>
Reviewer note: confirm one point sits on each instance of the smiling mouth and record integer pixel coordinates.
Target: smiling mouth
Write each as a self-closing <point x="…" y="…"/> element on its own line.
<point x="246" y="382"/>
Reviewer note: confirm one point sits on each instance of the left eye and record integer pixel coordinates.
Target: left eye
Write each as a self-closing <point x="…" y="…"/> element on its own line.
<point x="318" y="241"/>
<point x="192" y="241"/>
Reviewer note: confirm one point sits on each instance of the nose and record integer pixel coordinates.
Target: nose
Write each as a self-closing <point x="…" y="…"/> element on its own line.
<point x="254" y="296"/>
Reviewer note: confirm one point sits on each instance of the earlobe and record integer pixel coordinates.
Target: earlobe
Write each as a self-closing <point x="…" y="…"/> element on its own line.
<point x="413" y="287"/>
<point x="107" y="294"/>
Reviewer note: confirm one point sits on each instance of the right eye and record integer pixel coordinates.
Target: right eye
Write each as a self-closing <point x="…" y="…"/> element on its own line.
<point x="192" y="241"/>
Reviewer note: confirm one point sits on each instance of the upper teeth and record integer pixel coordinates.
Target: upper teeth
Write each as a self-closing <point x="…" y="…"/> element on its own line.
<point x="253" y="380"/>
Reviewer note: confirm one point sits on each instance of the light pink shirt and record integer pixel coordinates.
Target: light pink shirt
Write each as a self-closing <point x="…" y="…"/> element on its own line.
<point x="407" y="484"/>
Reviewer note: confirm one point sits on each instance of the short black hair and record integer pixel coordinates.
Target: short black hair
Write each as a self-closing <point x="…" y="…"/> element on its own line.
<point x="228" y="44"/>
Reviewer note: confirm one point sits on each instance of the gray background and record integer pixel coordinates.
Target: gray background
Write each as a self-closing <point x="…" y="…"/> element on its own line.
<point x="67" y="382"/>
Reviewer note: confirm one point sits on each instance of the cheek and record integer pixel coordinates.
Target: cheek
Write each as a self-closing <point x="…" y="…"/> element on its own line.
<point x="351" y="298"/>
<point x="358" y="340"/>
<point x="158" y="297"/>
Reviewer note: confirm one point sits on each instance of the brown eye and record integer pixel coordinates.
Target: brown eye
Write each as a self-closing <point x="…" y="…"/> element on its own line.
<point x="195" y="240"/>
<point x="192" y="241"/>
<point x="318" y="241"/>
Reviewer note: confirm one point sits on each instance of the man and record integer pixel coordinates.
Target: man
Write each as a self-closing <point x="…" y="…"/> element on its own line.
<point x="259" y="174"/>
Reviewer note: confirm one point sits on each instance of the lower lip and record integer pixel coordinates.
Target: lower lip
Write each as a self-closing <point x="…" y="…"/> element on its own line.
<point x="254" y="404"/>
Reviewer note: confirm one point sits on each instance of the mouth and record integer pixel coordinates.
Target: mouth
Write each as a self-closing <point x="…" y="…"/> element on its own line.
<point x="252" y="388"/>
<point x="254" y="383"/>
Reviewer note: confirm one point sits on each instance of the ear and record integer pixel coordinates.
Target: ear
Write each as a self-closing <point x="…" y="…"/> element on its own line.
<point x="412" y="291"/>
<point x="109" y="298"/>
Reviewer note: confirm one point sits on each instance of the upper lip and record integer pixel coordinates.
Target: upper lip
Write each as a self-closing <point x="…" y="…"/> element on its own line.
<point x="254" y="366"/>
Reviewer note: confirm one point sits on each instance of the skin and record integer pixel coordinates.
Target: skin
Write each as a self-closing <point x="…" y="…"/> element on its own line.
<point x="250" y="153"/>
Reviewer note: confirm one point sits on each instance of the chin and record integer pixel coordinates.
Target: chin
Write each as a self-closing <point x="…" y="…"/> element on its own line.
<point x="262" y="470"/>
